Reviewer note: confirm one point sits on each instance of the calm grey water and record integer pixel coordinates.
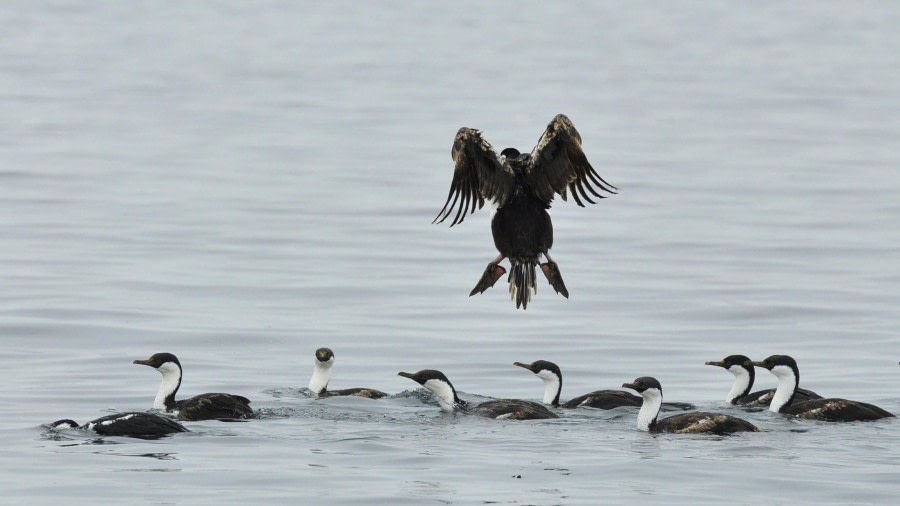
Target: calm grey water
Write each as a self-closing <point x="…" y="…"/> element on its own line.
<point x="241" y="183"/>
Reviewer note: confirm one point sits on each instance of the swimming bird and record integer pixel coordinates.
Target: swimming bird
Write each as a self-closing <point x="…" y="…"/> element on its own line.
<point x="744" y="374"/>
<point x="785" y="369"/>
<point x="507" y="409"/>
<point x="318" y="383"/>
<point x="133" y="424"/>
<point x="551" y="375"/>
<point x="522" y="187"/>
<point x="695" y="422"/>
<point x="210" y="406"/>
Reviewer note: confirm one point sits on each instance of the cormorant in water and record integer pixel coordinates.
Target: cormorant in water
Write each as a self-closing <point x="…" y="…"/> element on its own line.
<point x="508" y="409"/>
<point x="318" y="383"/>
<point x="829" y="410"/>
<point x="211" y="406"/>
<point x="744" y="374"/>
<point x="522" y="187"/>
<point x="551" y="375"/>
<point x="133" y="424"/>
<point x="695" y="422"/>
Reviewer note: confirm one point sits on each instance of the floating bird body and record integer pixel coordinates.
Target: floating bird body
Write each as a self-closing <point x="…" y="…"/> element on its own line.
<point x="522" y="187"/>
<point x="695" y="422"/>
<point x="551" y="375"/>
<point x="209" y="406"/>
<point x="318" y="383"/>
<point x="133" y="424"/>
<point x="744" y="375"/>
<point x="502" y="409"/>
<point x="785" y="401"/>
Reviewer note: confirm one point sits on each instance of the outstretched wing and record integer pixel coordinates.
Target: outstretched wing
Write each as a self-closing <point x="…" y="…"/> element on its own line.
<point x="558" y="165"/>
<point x="480" y="174"/>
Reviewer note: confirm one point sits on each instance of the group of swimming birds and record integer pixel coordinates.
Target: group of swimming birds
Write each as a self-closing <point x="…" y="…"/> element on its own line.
<point x="521" y="187"/>
<point x="787" y="398"/>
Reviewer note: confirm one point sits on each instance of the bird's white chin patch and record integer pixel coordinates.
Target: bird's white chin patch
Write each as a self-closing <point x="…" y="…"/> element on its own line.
<point x="782" y="371"/>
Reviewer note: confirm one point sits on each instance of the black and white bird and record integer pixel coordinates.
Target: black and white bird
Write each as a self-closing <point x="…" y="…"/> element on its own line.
<point x="551" y="375"/>
<point x="785" y="369"/>
<point x="521" y="186"/>
<point x="318" y="383"/>
<point x="210" y="406"/>
<point x="506" y="409"/>
<point x="695" y="422"/>
<point x="744" y="375"/>
<point x="132" y="424"/>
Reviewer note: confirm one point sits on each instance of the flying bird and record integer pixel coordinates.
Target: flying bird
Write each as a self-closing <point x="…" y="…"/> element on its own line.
<point x="521" y="186"/>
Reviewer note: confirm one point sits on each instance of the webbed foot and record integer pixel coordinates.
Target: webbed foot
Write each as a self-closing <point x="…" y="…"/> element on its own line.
<point x="551" y="271"/>
<point x="492" y="273"/>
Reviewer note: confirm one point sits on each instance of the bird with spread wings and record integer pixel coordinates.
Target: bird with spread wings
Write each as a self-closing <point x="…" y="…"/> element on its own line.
<point x="521" y="186"/>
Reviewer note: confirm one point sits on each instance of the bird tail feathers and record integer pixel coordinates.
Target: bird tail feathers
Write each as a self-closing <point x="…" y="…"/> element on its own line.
<point x="522" y="280"/>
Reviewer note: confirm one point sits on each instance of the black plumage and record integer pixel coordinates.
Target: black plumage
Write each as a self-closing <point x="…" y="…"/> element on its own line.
<point x="132" y="424"/>
<point x="214" y="406"/>
<point x="522" y="186"/>
<point x="697" y="422"/>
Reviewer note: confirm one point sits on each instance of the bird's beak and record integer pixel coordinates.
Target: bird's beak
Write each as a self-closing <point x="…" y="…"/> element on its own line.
<point x="407" y="375"/>
<point x="629" y="385"/>
<point x="524" y="366"/>
<point x="717" y="363"/>
<point x="141" y="362"/>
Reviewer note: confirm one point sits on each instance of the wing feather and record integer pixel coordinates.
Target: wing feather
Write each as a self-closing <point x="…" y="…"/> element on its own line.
<point x="559" y="166"/>
<point x="480" y="174"/>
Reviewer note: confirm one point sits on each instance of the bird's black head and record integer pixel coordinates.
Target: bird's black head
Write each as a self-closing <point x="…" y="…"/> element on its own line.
<point x="158" y="359"/>
<point x="541" y="365"/>
<point x="777" y="360"/>
<point x="733" y="360"/>
<point x="642" y="384"/>
<point x="64" y="424"/>
<point x="424" y="375"/>
<point x="510" y="153"/>
<point x="324" y="354"/>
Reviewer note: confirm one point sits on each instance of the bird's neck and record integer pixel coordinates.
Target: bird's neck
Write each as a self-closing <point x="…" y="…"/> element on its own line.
<point x="784" y="393"/>
<point x="171" y="380"/>
<point x="649" y="408"/>
<point x="444" y="393"/>
<point x="552" y="387"/>
<point x="743" y="382"/>
<point x="321" y="374"/>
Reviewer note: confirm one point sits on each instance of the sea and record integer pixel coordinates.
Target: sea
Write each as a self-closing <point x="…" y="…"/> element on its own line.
<point x="241" y="183"/>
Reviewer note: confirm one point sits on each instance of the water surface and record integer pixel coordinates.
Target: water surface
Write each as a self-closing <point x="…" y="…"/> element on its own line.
<point x="240" y="184"/>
